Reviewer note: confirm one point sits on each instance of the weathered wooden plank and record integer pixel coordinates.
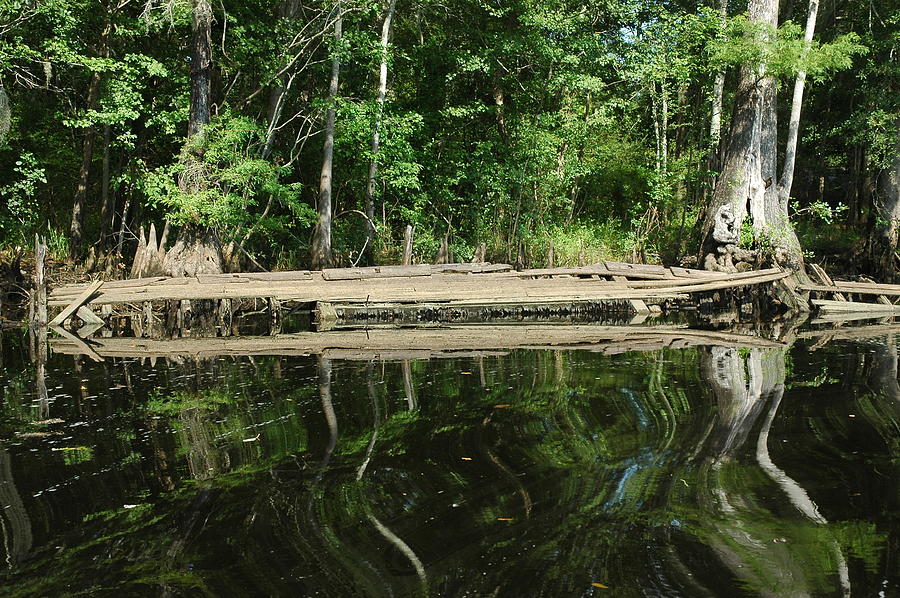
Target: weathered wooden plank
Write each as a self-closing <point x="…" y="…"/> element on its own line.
<point x="476" y="268"/>
<point x="851" y="306"/>
<point x="885" y="290"/>
<point x="824" y="279"/>
<point x="76" y="303"/>
<point x="81" y="347"/>
<point x="376" y="272"/>
<point x="596" y="269"/>
<point x="636" y="267"/>
<point x="88" y="317"/>
<point x="679" y="272"/>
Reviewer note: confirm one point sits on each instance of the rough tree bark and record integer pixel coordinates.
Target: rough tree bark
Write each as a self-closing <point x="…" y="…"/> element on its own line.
<point x="740" y="179"/>
<point x="5" y="113"/>
<point x="749" y="175"/>
<point x="197" y="249"/>
<point x="887" y="206"/>
<point x="376" y="132"/>
<point x="320" y="252"/>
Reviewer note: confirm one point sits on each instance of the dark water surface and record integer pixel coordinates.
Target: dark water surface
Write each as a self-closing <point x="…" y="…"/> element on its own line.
<point x="707" y="471"/>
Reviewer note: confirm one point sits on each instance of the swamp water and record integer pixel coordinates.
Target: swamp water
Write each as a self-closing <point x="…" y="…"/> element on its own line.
<point x="706" y="471"/>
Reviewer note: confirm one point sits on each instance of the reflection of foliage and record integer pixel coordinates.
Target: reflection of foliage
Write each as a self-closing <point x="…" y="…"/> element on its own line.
<point x="561" y="469"/>
<point x="77" y="454"/>
<point x="181" y="401"/>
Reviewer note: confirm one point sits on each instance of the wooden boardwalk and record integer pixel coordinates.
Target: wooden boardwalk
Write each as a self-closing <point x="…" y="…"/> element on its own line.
<point x="344" y="292"/>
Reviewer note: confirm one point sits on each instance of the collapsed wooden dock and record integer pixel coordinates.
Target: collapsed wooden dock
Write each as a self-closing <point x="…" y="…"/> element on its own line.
<point x="367" y="297"/>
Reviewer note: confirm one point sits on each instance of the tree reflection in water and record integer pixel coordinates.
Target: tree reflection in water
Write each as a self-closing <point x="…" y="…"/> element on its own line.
<point x="535" y="473"/>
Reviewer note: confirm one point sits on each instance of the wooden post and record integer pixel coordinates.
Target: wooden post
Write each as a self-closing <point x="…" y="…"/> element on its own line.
<point x="40" y="286"/>
<point x="149" y="320"/>
<point x="408" y="244"/>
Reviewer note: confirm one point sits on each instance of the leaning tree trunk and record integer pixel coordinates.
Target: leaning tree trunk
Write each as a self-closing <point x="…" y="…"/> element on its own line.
<point x="379" y="112"/>
<point x="197" y="249"/>
<point x="320" y="252"/>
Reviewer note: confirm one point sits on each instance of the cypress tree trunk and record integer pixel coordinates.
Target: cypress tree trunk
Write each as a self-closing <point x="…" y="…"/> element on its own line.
<point x="5" y="113"/>
<point x="197" y="249"/>
<point x="740" y="179"/>
<point x="750" y="173"/>
<point x="320" y="252"/>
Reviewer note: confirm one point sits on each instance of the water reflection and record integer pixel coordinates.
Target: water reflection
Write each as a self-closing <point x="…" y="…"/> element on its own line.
<point x="699" y="472"/>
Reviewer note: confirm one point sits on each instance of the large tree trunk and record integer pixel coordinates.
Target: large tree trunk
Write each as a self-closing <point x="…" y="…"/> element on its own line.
<point x="320" y="252"/>
<point x="750" y="173"/>
<point x="197" y="249"/>
<point x="887" y="205"/>
<point x="740" y="180"/>
<point x="379" y="112"/>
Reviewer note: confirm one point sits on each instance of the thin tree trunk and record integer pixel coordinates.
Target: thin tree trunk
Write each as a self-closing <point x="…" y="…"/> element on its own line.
<point x="287" y="10"/>
<point x="715" y="121"/>
<point x="853" y="188"/>
<point x="888" y="208"/>
<point x="122" y="223"/>
<point x="76" y="229"/>
<point x="379" y="114"/>
<point x="320" y="252"/>
<point x="664" y="128"/>
<point x="104" y="188"/>
<point x="790" y="150"/>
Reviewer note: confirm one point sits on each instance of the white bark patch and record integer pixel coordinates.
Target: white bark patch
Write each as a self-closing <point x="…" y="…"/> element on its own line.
<point x="725" y="229"/>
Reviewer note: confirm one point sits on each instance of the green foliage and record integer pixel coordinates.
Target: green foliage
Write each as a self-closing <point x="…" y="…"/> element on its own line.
<point x="21" y="212"/>
<point x="221" y="176"/>
<point x="782" y="51"/>
<point x="504" y="123"/>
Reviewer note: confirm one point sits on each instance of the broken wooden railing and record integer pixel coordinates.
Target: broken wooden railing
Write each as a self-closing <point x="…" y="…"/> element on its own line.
<point x="840" y="299"/>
